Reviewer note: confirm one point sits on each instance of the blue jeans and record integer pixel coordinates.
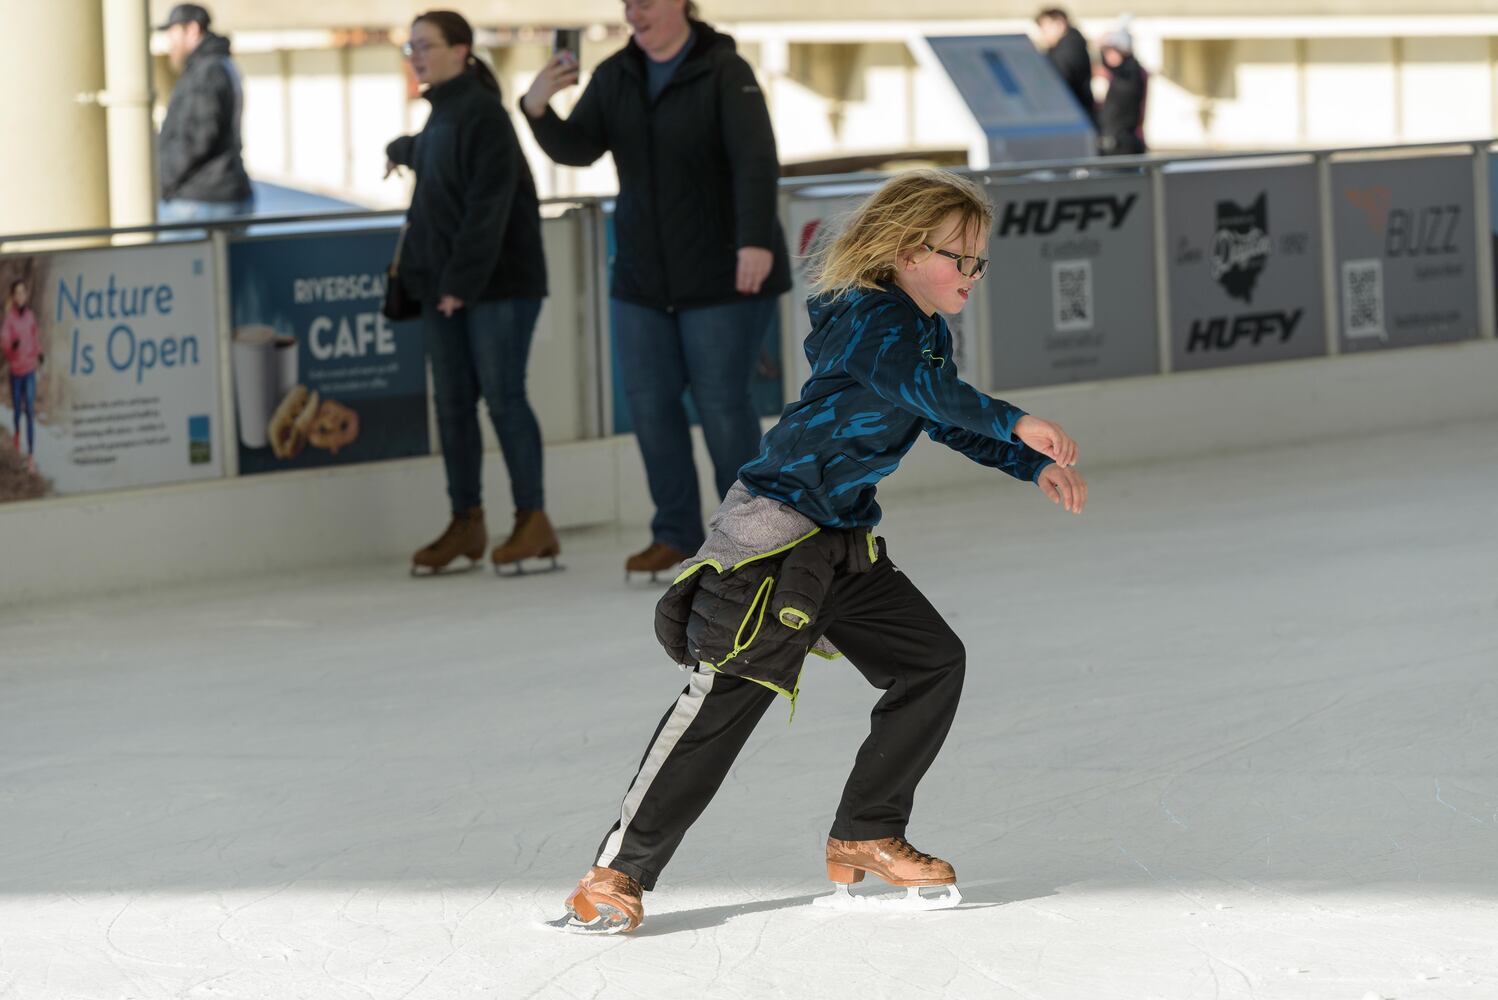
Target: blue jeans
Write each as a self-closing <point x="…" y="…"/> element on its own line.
<point x="187" y="210"/>
<point x="481" y="350"/>
<point x="712" y="350"/>
<point x="23" y="400"/>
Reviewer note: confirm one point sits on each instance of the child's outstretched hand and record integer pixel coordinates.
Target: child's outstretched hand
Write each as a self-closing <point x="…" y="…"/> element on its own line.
<point x="1048" y="439"/>
<point x="1064" y="486"/>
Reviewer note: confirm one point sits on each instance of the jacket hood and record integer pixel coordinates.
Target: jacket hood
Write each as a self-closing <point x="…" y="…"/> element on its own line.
<point x="463" y="83"/>
<point x="211" y="46"/>
<point x="826" y="309"/>
<point x="707" y="41"/>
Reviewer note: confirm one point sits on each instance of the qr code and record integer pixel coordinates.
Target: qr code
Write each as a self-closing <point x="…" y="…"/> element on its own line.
<point x="1363" y="298"/>
<point x="1071" y="294"/>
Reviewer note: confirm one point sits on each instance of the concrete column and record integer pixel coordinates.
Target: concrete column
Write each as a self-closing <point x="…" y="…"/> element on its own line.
<point x="56" y="174"/>
<point x="127" y="103"/>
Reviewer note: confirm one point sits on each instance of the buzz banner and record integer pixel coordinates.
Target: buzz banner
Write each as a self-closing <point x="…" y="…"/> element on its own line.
<point x="1406" y="249"/>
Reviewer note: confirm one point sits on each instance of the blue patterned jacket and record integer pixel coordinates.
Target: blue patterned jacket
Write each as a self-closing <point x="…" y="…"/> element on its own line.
<point x="881" y="373"/>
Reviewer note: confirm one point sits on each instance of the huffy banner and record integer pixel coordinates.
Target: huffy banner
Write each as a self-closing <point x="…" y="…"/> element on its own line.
<point x="1071" y="289"/>
<point x="110" y="362"/>
<point x="321" y="377"/>
<point x="1243" y="249"/>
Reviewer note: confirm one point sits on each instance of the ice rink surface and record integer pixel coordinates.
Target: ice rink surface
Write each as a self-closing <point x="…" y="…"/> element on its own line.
<point x="1232" y="733"/>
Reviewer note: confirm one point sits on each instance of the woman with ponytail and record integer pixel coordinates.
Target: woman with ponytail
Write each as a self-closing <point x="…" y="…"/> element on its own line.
<point x="472" y="256"/>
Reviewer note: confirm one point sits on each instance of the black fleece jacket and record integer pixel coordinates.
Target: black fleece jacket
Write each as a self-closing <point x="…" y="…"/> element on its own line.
<point x="475" y="220"/>
<point x="1074" y="64"/>
<point x="697" y="171"/>
<point x="199" y="152"/>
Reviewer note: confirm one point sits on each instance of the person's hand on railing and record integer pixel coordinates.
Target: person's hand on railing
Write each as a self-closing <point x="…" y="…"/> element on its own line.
<point x="559" y="72"/>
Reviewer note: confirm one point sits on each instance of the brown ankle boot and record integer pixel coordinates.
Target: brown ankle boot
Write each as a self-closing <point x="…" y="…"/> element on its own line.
<point x="607" y="901"/>
<point x="465" y="537"/>
<point x="654" y="558"/>
<point x="533" y="537"/>
<point x="889" y="858"/>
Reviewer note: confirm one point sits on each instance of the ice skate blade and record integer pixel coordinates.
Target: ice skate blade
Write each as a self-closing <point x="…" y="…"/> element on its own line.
<point x="640" y="578"/>
<point x="449" y="570"/>
<point x="608" y="921"/>
<point x="514" y="569"/>
<point x="913" y="901"/>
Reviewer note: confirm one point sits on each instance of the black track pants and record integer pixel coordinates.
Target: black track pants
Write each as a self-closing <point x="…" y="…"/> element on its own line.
<point x="894" y="637"/>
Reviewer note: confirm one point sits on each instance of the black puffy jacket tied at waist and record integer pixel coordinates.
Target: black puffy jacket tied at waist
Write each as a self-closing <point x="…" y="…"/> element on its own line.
<point x="698" y="172"/>
<point x="759" y="619"/>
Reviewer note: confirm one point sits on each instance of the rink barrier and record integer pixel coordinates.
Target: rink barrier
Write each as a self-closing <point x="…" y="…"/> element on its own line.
<point x="1126" y="383"/>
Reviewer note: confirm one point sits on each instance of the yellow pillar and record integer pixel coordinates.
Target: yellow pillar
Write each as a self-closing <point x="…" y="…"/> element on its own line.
<point x="56" y="174"/>
<point x="127" y="104"/>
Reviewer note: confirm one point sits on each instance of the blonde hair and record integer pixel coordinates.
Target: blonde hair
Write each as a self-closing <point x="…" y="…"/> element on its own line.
<point x="894" y="222"/>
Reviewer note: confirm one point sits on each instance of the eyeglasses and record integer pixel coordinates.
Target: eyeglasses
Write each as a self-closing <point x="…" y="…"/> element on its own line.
<point x="421" y="48"/>
<point x="968" y="267"/>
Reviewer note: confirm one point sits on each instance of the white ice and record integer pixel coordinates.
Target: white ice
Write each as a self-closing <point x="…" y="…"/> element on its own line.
<point x="1231" y="733"/>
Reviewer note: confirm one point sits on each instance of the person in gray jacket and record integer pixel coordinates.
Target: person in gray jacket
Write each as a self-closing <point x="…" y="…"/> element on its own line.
<point x="199" y="154"/>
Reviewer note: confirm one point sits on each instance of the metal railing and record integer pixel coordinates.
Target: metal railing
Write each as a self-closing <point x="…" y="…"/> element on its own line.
<point x="590" y="375"/>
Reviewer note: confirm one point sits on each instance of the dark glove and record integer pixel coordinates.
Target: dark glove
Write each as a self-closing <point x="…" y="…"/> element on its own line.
<point x="672" y="612"/>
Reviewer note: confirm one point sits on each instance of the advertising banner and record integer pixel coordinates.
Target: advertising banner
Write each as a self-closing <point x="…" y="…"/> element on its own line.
<point x="111" y="370"/>
<point x="320" y="376"/>
<point x="1406" y="245"/>
<point x="1244" y="266"/>
<point x="1071" y="282"/>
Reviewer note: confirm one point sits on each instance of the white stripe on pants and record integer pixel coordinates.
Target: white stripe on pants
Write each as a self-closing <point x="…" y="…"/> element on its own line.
<point x="688" y="704"/>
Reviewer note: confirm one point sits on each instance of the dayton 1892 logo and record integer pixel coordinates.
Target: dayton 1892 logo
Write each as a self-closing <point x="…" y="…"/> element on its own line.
<point x="1240" y="247"/>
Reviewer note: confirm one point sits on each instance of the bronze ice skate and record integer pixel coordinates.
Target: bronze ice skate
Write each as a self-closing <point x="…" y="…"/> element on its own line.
<point x="895" y="861"/>
<point x="654" y="559"/>
<point x="465" y="537"/>
<point x="604" y="902"/>
<point x="533" y="537"/>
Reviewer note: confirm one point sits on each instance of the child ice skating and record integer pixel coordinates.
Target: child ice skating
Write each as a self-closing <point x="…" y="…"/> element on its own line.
<point x="792" y="565"/>
<point x="21" y="344"/>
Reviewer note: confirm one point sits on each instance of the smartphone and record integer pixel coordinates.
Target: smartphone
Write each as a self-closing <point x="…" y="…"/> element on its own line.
<point x="568" y="40"/>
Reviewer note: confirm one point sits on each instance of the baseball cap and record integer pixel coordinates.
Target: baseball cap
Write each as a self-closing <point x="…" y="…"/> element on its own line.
<point x="186" y="13"/>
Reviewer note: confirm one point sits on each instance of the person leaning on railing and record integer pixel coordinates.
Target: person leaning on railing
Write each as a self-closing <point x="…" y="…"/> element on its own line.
<point x="472" y="256"/>
<point x="701" y="256"/>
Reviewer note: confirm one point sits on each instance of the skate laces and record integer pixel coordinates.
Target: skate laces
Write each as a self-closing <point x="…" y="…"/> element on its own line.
<point x="905" y="847"/>
<point x="619" y="882"/>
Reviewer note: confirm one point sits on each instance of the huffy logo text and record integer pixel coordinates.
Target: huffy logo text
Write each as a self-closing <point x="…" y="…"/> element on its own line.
<point x="1241" y="246"/>
<point x="1044" y="216"/>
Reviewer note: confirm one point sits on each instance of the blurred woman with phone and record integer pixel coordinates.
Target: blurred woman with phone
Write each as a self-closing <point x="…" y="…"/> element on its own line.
<point x="701" y="256"/>
<point x="472" y="256"/>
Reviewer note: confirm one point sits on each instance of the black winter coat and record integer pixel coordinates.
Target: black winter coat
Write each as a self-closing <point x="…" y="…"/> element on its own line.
<point x="1074" y="64"/>
<point x="758" y="620"/>
<point x="199" y="153"/>
<point x="1121" y="118"/>
<point x="475" y="220"/>
<point x="698" y="172"/>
